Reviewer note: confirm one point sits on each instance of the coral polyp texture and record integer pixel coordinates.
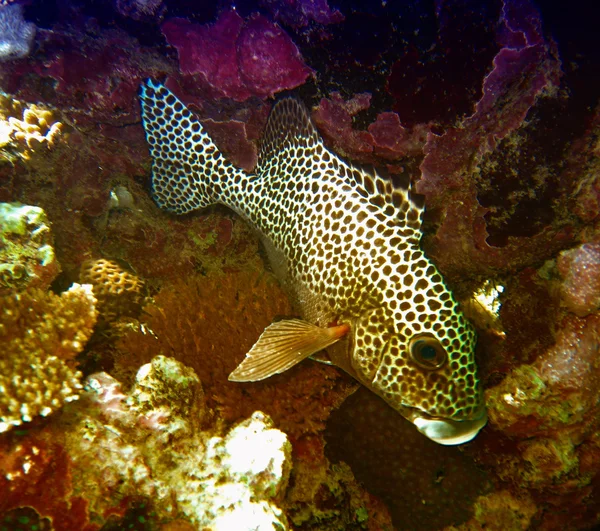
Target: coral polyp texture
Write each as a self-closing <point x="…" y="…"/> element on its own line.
<point x="209" y="323"/>
<point x="41" y="333"/>
<point x="27" y="258"/>
<point x="26" y="127"/>
<point x="119" y="292"/>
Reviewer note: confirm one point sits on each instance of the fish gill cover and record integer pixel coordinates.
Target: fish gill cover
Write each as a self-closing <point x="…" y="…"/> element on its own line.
<point x="489" y="109"/>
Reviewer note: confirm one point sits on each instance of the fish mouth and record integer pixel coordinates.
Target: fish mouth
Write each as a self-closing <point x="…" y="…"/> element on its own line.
<point x="447" y="431"/>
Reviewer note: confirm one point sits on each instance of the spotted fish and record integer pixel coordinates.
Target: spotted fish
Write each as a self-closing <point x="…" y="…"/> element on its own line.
<point x="345" y="242"/>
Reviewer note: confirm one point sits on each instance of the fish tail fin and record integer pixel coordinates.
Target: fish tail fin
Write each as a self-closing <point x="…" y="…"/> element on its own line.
<point x="188" y="170"/>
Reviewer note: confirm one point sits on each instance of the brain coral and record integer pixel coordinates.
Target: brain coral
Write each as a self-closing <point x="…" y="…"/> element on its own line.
<point x="40" y="334"/>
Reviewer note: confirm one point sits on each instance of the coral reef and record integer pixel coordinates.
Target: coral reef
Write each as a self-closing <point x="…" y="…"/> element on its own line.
<point x="224" y="482"/>
<point x="580" y="272"/>
<point x="385" y="451"/>
<point x="237" y="58"/>
<point x="40" y="334"/>
<point x="524" y="70"/>
<point x="27" y="257"/>
<point x="301" y="13"/>
<point x="16" y="35"/>
<point x="543" y="413"/>
<point x="385" y="139"/>
<point x="490" y="109"/>
<point x="141" y="10"/>
<point x="209" y="325"/>
<point x="119" y="292"/>
<point x="500" y="510"/>
<point x="24" y="128"/>
<point x="153" y="443"/>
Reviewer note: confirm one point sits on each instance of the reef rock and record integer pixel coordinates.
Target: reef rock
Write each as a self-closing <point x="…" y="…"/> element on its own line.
<point x="580" y="272"/>
<point x="26" y="248"/>
<point x="153" y="442"/>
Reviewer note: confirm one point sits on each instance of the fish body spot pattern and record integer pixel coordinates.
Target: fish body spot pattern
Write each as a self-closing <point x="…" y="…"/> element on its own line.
<point x="345" y="242"/>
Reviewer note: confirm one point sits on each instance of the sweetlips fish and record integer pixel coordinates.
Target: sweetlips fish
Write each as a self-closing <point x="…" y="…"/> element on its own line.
<point x="345" y="243"/>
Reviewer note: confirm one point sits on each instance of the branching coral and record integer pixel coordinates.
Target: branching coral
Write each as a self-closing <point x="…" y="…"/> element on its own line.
<point x="40" y="334"/>
<point x="26" y="127"/>
<point x="26" y="254"/>
<point x="209" y="324"/>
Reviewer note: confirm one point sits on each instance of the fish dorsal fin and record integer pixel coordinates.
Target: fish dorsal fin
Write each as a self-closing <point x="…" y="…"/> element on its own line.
<point x="290" y="135"/>
<point x="393" y="198"/>
<point x="289" y="130"/>
<point x="282" y="345"/>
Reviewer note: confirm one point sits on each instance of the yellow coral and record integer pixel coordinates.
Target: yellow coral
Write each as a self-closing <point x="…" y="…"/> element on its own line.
<point x="27" y="127"/>
<point x="40" y="334"/>
<point x="119" y="292"/>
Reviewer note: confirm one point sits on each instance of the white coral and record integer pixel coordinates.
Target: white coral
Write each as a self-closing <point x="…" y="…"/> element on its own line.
<point x="150" y="442"/>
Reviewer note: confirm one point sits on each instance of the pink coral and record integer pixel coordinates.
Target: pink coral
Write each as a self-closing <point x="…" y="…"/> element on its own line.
<point x="334" y="119"/>
<point x="237" y="58"/>
<point x="95" y="75"/>
<point x="523" y="70"/>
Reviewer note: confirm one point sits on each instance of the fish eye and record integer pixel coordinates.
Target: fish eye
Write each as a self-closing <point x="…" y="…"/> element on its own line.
<point x="427" y="352"/>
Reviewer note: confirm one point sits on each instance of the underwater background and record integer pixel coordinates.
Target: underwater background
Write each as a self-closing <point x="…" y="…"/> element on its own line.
<point x="120" y="322"/>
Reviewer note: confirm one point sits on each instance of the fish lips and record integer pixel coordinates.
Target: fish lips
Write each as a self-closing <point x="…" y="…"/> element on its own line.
<point x="447" y="431"/>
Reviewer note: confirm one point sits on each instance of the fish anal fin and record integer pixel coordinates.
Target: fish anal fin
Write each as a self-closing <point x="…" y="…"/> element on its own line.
<point x="282" y="345"/>
<point x="322" y="357"/>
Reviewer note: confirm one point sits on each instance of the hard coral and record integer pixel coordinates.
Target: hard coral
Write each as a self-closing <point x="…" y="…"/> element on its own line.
<point x="327" y="496"/>
<point x="40" y="334"/>
<point x="500" y="510"/>
<point x="209" y="325"/>
<point x="119" y="292"/>
<point x="27" y="257"/>
<point x="384" y="451"/>
<point x="557" y="391"/>
<point x="24" y="128"/>
<point x="151" y="442"/>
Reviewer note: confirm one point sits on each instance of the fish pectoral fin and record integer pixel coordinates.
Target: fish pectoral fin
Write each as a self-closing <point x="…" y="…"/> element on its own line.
<point x="282" y="345"/>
